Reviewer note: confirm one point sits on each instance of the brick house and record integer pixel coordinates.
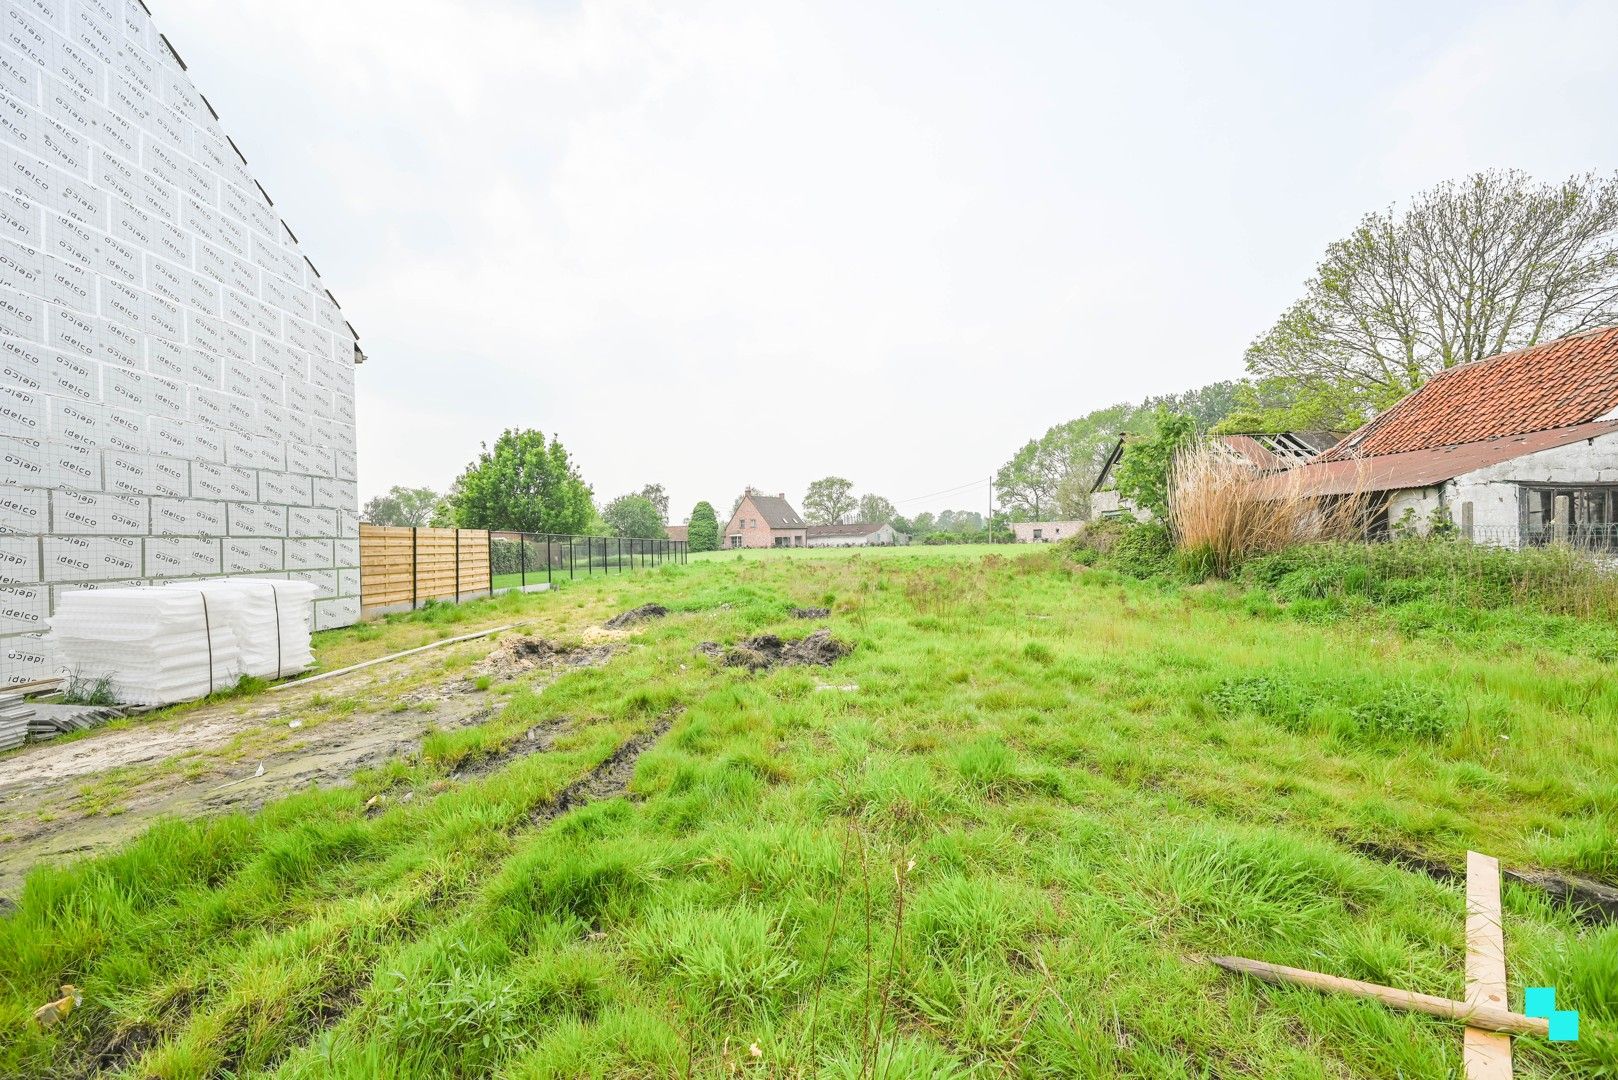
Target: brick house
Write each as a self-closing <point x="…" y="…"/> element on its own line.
<point x="762" y="521"/>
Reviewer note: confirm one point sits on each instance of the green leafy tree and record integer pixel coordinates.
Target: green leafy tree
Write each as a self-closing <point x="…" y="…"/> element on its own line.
<point x="1468" y="269"/>
<point x="875" y="509"/>
<point x="960" y="521"/>
<point x="1207" y="405"/>
<point x="923" y="523"/>
<point x="1142" y="475"/>
<point x="633" y="515"/>
<point x="658" y="497"/>
<point x="829" y="500"/>
<point x="524" y="483"/>
<point x="1288" y="403"/>
<point x="406" y="506"/>
<point x="703" y="532"/>
<point x="444" y="513"/>
<point x="1050" y="477"/>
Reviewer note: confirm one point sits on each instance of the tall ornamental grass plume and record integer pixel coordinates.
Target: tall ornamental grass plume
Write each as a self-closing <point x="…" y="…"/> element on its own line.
<point x="1223" y="511"/>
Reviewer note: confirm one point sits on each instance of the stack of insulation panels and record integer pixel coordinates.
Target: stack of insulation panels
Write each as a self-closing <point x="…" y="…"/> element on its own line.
<point x="270" y="618"/>
<point x="14" y="714"/>
<point x="151" y="646"/>
<point x="49" y="721"/>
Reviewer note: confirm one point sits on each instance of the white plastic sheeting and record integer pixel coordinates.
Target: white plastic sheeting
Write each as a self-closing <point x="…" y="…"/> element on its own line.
<point x="271" y="619"/>
<point x="156" y="646"/>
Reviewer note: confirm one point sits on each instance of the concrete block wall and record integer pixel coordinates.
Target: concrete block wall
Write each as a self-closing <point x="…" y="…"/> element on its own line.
<point x="176" y="383"/>
<point x="1494" y="492"/>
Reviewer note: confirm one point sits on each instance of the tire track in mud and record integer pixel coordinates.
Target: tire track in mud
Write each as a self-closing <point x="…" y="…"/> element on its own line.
<point x="610" y="778"/>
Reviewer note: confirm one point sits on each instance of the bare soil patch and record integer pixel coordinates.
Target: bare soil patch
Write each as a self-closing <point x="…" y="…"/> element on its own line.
<point x="810" y="613"/>
<point x="636" y="615"/>
<point x="767" y="651"/>
<point x="60" y="801"/>
<point x="536" y="740"/>
<point x="1592" y="902"/>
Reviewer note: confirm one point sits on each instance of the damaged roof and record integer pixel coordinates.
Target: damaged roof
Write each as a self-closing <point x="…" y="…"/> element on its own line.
<point x="1279" y="450"/>
<point x="1424" y="467"/>
<point x="1562" y="383"/>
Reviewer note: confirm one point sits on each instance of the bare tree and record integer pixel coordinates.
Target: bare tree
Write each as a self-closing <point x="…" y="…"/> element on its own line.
<point x="1471" y="268"/>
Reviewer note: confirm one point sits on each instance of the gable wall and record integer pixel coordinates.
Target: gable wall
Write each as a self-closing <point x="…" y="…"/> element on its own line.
<point x="178" y="396"/>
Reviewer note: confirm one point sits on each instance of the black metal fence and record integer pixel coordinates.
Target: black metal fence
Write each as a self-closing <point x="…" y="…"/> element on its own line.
<point x="519" y="559"/>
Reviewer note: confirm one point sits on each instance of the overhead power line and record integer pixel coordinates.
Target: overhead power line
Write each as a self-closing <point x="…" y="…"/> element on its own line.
<point x="946" y="491"/>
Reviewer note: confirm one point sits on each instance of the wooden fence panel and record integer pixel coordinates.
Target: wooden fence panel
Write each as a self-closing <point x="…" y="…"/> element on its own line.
<point x="387" y="577"/>
<point x="435" y="564"/>
<point x="475" y="561"/>
<point x="403" y="567"/>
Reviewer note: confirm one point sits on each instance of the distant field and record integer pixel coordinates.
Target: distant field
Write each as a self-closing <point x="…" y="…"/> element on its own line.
<point x="993" y="840"/>
<point x="911" y="552"/>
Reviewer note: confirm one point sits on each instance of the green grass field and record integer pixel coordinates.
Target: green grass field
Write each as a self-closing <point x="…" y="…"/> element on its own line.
<point x="994" y="840"/>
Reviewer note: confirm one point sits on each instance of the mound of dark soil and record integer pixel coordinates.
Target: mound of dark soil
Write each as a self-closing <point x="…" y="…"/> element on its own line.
<point x="636" y="615"/>
<point x="767" y="651"/>
<point x="520" y="655"/>
<point x="810" y="612"/>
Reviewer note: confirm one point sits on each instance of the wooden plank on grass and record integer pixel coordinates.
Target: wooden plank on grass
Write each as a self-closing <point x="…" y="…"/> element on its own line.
<point x="1489" y="1017"/>
<point x="1486" y="1054"/>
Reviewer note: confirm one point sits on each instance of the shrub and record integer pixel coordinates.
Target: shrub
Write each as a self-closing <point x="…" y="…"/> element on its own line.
<point x="703" y="532"/>
<point x="1405" y="712"/>
<point x="1276" y="699"/>
<point x="1143" y="549"/>
<point x="1137" y="548"/>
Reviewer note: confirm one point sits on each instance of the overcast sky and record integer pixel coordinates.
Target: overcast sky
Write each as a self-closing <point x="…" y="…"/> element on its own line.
<point x="718" y="244"/>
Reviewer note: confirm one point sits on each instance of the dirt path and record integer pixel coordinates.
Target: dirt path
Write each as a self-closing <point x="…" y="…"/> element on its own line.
<point x="61" y="801"/>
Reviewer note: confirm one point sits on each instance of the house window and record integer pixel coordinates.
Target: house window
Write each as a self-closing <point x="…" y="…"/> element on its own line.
<point x="1039" y="534"/>
<point x="736" y="540"/>
<point x="1592" y="513"/>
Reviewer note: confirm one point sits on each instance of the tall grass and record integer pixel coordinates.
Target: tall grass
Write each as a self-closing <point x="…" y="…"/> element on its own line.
<point x="1096" y="778"/>
<point x="1556" y="580"/>
<point x="1223" y="512"/>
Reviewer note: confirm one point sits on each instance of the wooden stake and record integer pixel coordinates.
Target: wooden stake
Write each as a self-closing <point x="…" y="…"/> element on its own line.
<point x="1486" y="1054"/>
<point x="1488" y="1017"/>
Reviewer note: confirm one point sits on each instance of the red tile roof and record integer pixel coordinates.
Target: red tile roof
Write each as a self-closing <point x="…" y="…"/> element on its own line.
<point x="1572" y="380"/>
<point x="1421" y="468"/>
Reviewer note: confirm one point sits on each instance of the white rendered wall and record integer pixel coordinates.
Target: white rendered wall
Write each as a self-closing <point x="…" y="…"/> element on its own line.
<point x="1494" y="491"/>
<point x="176" y="385"/>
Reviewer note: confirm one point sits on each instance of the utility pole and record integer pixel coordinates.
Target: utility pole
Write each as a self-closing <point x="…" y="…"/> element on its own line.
<point x="989" y="522"/>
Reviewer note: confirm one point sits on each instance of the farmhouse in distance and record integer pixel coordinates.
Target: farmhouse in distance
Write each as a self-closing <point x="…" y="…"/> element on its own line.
<point x="856" y="534"/>
<point x="763" y="521"/>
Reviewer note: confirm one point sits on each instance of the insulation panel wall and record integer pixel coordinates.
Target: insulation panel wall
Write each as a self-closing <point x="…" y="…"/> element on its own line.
<point x="176" y="383"/>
